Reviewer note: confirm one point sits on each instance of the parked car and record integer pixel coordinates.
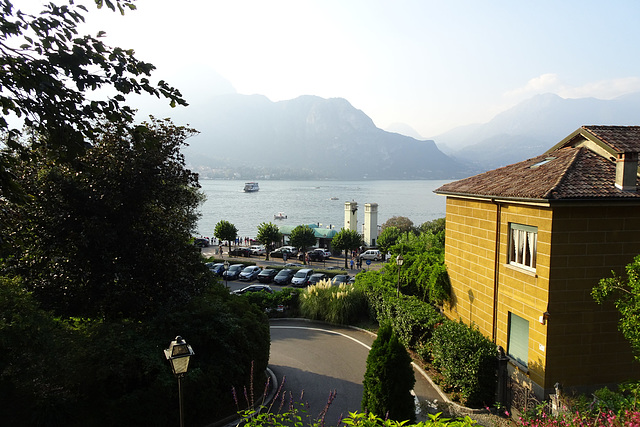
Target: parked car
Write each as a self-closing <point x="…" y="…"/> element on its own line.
<point x="340" y="278"/>
<point x="293" y="264"/>
<point x="313" y="256"/>
<point x="233" y="272"/>
<point x="201" y="243"/>
<point x="326" y="253"/>
<point x="246" y="252"/>
<point x="253" y="288"/>
<point x="291" y="249"/>
<point x="284" y="277"/>
<point x="301" y="278"/>
<point x="216" y="267"/>
<point x="258" y="250"/>
<point x="315" y="278"/>
<point x="267" y="275"/>
<point x="249" y="273"/>
<point x="280" y="251"/>
<point x="372" y="254"/>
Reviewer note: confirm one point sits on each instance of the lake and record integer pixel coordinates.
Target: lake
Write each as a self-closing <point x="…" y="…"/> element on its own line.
<point x="308" y="202"/>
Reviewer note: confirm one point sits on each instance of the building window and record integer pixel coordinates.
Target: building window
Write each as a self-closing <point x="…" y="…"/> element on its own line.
<point x="523" y="240"/>
<point x="518" y="345"/>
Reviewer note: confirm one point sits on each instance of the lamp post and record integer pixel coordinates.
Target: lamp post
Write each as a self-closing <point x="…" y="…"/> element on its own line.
<point x="399" y="262"/>
<point x="226" y="277"/>
<point x="179" y="353"/>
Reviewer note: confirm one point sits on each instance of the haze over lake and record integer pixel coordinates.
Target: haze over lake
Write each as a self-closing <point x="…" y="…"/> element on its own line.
<point x="307" y="202"/>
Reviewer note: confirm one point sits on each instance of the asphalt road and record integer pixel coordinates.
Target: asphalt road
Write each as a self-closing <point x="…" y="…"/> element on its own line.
<point x="316" y="358"/>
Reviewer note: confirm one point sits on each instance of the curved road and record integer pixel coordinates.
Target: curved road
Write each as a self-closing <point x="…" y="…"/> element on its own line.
<point x="315" y="359"/>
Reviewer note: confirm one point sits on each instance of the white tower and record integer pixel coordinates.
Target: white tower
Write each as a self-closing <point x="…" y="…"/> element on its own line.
<point x="370" y="227"/>
<point x="351" y="216"/>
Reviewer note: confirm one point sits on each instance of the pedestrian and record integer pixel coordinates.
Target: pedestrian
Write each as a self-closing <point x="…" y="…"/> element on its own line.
<point x="352" y="263"/>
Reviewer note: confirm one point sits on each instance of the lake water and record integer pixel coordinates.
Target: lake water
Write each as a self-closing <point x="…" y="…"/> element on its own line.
<point x="308" y="202"/>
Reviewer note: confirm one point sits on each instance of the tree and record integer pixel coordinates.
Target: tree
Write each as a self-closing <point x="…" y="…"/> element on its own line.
<point x="268" y="234"/>
<point x="388" y="238"/>
<point x="48" y="70"/>
<point x="302" y="237"/>
<point x="226" y="231"/>
<point x="107" y="233"/>
<point x="625" y="292"/>
<point x="389" y="378"/>
<point x="346" y="240"/>
<point x="402" y="223"/>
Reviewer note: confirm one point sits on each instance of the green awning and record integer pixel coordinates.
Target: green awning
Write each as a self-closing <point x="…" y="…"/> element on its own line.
<point x="321" y="233"/>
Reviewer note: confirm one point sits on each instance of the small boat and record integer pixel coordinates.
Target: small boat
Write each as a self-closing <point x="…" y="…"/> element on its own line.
<point x="333" y="198"/>
<point x="250" y="187"/>
<point x="280" y="215"/>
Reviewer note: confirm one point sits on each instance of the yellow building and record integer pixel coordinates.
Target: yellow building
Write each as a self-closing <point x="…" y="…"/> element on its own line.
<point x="526" y="243"/>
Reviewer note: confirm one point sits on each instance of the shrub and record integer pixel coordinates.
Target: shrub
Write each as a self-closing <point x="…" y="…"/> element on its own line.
<point x="342" y="304"/>
<point x="389" y="378"/>
<point x="467" y="360"/>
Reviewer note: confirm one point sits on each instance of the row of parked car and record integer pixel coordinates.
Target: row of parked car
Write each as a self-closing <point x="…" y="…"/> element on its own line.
<point x="300" y="278"/>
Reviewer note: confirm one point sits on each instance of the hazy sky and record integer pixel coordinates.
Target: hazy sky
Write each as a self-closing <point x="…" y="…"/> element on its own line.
<point x="430" y="64"/>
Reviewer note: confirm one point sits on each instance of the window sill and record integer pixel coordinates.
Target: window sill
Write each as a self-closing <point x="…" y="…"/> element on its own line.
<point x="519" y="366"/>
<point x="522" y="270"/>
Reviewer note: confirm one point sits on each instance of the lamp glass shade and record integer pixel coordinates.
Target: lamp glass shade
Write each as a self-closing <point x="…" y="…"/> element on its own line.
<point x="399" y="260"/>
<point x="179" y="349"/>
<point x="180" y="365"/>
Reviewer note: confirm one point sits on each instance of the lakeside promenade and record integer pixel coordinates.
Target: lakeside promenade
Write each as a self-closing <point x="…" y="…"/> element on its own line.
<point x="333" y="263"/>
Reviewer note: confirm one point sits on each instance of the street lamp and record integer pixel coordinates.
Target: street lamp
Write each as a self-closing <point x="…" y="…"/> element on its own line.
<point x="226" y="277"/>
<point x="399" y="262"/>
<point x="179" y="353"/>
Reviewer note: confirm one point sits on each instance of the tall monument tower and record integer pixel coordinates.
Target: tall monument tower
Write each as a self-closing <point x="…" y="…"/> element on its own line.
<point x="370" y="226"/>
<point x="351" y="215"/>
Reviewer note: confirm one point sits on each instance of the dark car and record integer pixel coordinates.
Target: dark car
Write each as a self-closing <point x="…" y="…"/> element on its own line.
<point x="340" y="278"/>
<point x="284" y="277"/>
<point x="278" y="253"/>
<point x="249" y="273"/>
<point x="246" y="252"/>
<point x="253" y="288"/>
<point x="267" y="275"/>
<point x="233" y="272"/>
<point x="315" y="278"/>
<point x="216" y="267"/>
<point x="201" y="243"/>
<point x="313" y="256"/>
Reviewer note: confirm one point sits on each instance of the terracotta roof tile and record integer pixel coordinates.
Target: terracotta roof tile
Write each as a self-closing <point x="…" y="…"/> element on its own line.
<point x="568" y="173"/>
<point x="620" y="138"/>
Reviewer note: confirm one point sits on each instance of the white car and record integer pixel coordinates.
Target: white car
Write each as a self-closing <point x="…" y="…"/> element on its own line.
<point x="372" y="254"/>
<point x="258" y="250"/>
<point x="291" y="249"/>
<point x="326" y="253"/>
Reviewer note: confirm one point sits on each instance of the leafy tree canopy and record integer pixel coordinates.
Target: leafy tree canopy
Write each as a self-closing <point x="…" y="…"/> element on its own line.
<point x="388" y="238"/>
<point x="302" y="237"/>
<point x="268" y="234"/>
<point x="625" y="293"/>
<point x="226" y="231"/>
<point x="402" y="223"/>
<point x="49" y="70"/>
<point x="346" y="240"/>
<point x="106" y="234"/>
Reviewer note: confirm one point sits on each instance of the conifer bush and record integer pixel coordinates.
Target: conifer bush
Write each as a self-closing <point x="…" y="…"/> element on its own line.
<point x="389" y="378"/>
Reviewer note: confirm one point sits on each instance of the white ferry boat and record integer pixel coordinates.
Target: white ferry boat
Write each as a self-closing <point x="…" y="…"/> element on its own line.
<point x="280" y="215"/>
<point x="250" y="187"/>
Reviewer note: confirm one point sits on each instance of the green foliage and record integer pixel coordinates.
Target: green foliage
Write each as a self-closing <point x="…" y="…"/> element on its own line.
<point x="115" y="372"/>
<point x="268" y="235"/>
<point x="475" y="379"/>
<point x="388" y="238"/>
<point x="344" y="304"/>
<point x="389" y="378"/>
<point x="302" y="237"/>
<point x="48" y="68"/>
<point x="402" y="223"/>
<point x="226" y="231"/>
<point x="625" y="293"/>
<point x="347" y="241"/>
<point x="107" y="233"/>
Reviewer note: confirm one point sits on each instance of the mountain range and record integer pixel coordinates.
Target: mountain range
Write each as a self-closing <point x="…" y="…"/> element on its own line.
<point x="249" y="137"/>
